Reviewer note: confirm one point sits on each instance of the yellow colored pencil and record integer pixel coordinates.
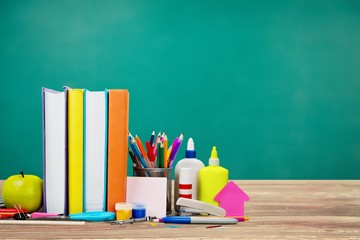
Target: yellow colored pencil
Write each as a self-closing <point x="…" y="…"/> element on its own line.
<point x="165" y="151"/>
<point x="168" y="152"/>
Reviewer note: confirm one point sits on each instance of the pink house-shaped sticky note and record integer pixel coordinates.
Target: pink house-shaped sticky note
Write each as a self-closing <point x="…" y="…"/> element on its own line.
<point x="232" y="199"/>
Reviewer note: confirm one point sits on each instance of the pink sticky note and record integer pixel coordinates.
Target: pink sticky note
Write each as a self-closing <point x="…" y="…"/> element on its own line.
<point x="232" y="199"/>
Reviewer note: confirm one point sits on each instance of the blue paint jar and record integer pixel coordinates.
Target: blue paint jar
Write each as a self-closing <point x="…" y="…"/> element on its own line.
<point x="138" y="210"/>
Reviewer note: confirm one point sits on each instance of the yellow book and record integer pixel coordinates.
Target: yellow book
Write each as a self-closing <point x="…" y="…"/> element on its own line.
<point x="75" y="149"/>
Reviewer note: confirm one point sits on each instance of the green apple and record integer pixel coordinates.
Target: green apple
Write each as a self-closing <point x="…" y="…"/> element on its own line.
<point x="25" y="190"/>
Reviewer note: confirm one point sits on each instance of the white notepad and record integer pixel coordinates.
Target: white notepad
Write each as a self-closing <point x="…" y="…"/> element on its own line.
<point x="150" y="191"/>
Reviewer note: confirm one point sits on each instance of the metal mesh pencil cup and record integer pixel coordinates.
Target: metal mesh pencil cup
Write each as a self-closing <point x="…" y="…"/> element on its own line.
<point x="157" y="172"/>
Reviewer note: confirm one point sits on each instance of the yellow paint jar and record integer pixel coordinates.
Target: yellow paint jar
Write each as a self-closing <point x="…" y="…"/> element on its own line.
<point x="123" y="211"/>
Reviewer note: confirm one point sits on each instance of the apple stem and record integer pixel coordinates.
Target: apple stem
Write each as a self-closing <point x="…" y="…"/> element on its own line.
<point x="22" y="173"/>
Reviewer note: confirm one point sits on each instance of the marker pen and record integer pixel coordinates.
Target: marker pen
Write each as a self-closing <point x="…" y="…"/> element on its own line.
<point x="197" y="220"/>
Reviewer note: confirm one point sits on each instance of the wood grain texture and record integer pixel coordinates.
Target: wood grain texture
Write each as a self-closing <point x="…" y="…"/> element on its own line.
<point x="291" y="209"/>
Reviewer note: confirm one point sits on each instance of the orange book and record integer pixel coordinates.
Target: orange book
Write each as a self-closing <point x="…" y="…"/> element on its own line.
<point x="118" y="120"/>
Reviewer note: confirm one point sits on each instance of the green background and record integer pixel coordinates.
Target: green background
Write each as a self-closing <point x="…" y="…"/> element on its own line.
<point x="275" y="85"/>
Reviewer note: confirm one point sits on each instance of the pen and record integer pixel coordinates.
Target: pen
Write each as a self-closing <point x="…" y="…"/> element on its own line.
<point x="197" y="220"/>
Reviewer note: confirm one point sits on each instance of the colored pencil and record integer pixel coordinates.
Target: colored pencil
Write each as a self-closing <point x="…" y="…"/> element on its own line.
<point x="165" y="151"/>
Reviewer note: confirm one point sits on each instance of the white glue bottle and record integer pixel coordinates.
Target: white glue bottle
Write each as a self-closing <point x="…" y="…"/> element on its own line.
<point x="185" y="183"/>
<point x="190" y="161"/>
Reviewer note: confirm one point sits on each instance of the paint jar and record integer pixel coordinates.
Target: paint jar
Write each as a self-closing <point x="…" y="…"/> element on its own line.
<point x="123" y="210"/>
<point x="158" y="172"/>
<point x="138" y="210"/>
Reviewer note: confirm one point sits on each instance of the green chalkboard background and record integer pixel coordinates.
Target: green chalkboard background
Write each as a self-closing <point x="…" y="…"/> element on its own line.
<point x="275" y="85"/>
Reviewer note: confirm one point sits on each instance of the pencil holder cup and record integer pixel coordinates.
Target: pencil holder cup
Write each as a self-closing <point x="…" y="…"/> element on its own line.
<point x="157" y="172"/>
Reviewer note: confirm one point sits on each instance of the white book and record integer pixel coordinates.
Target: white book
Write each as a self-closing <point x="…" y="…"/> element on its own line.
<point x="95" y="142"/>
<point x="54" y="151"/>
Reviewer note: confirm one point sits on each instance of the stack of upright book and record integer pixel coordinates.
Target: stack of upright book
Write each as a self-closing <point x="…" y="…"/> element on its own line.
<point x="85" y="145"/>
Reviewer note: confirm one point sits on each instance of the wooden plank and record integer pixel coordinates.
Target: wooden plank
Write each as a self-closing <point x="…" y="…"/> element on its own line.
<point x="291" y="209"/>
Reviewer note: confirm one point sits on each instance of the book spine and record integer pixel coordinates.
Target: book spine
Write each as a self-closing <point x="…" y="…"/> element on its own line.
<point x="76" y="149"/>
<point x="117" y="147"/>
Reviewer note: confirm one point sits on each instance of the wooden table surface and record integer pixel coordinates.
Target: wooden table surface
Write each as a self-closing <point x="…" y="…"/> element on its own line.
<point x="278" y="209"/>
